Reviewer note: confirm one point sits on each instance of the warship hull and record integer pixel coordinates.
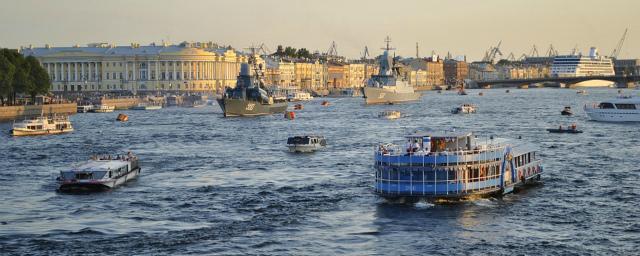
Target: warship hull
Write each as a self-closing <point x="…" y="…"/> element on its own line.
<point x="381" y="96"/>
<point x="239" y="107"/>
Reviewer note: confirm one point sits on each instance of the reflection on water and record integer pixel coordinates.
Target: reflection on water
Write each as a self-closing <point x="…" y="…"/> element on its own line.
<point x="211" y="185"/>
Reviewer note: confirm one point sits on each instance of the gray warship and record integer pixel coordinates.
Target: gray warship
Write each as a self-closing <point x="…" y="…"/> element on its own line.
<point x="388" y="87"/>
<point x="250" y="97"/>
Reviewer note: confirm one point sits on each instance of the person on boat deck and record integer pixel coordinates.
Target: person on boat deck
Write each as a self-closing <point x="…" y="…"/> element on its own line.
<point x="560" y="127"/>
<point x="416" y="146"/>
<point x="409" y="146"/>
<point x="573" y="127"/>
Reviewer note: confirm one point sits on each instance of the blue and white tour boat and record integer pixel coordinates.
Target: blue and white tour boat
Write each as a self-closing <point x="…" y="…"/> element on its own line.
<point x="453" y="166"/>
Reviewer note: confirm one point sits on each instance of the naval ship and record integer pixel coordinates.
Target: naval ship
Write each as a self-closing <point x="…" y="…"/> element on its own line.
<point x="249" y="97"/>
<point x="388" y="87"/>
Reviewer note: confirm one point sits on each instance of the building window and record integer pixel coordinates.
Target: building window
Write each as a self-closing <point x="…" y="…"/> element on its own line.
<point x="107" y="76"/>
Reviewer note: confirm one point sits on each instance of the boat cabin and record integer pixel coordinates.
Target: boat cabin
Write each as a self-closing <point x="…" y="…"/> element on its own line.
<point x="430" y="143"/>
<point x="307" y="140"/>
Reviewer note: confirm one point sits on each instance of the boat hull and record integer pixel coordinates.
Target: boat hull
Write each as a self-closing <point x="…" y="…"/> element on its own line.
<point x="239" y="107"/>
<point x="603" y="115"/>
<point x="303" y="148"/>
<point x="375" y="95"/>
<point x="86" y="187"/>
<point x="20" y="132"/>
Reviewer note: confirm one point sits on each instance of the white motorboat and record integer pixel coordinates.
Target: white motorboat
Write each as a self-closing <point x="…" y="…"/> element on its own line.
<point x="390" y="114"/>
<point x="102" y="109"/>
<point x="299" y="96"/>
<point x="99" y="174"/>
<point x="42" y="125"/>
<point x="84" y="108"/>
<point x="621" y="109"/>
<point x="306" y="143"/>
<point x="464" y="109"/>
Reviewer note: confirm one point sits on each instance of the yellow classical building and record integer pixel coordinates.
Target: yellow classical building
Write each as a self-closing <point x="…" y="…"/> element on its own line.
<point x="197" y="67"/>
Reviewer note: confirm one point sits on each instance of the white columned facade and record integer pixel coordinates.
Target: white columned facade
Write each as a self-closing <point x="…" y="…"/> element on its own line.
<point x="55" y="71"/>
<point x="68" y="71"/>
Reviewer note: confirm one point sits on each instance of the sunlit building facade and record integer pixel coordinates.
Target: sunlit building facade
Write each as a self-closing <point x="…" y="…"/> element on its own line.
<point x="189" y="67"/>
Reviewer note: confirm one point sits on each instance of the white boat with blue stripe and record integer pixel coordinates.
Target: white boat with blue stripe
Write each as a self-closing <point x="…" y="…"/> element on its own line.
<point x="453" y="166"/>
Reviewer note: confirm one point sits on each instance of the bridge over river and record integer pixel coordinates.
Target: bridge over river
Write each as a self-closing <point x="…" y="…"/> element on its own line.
<point x="621" y="81"/>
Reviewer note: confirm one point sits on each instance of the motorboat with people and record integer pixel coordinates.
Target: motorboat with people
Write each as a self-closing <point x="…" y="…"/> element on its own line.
<point x="453" y="165"/>
<point x="620" y="109"/>
<point x="102" y="109"/>
<point x="250" y="96"/>
<point x="566" y="111"/>
<point x="388" y="86"/>
<point x="464" y="109"/>
<point x="84" y="108"/>
<point x="42" y="125"/>
<point x="146" y="106"/>
<point x="100" y="173"/>
<point x="306" y="143"/>
<point x="390" y="114"/>
<point x="299" y="96"/>
<point x="573" y="128"/>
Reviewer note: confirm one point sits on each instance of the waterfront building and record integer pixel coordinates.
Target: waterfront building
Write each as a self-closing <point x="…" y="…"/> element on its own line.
<point x="102" y="67"/>
<point x="523" y="72"/>
<point x="355" y="75"/>
<point x="310" y="75"/>
<point x="628" y="67"/>
<point x="280" y="72"/>
<point x="455" y="72"/>
<point x="482" y="71"/>
<point x="424" y="73"/>
<point x="337" y="75"/>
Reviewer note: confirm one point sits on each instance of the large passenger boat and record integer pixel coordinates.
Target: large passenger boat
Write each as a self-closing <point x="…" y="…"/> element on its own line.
<point x="249" y="97"/>
<point x="621" y="109"/>
<point x="453" y="166"/>
<point x="581" y="66"/>
<point x="99" y="174"/>
<point x="42" y="125"/>
<point x="388" y="87"/>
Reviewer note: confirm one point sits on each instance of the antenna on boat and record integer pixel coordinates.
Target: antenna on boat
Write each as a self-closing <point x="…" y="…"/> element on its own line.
<point x="388" y="40"/>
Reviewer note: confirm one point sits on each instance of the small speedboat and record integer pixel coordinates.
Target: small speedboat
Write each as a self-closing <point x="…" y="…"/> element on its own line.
<point x="99" y="173"/>
<point x="325" y="103"/>
<point x="306" y="143"/>
<point x="566" y="111"/>
<point x="298" y="107"/>
<point x="582" y="92"/>
<point x="551" y="130"/>
<point x="390" y="114"/>
<point x="464" y="109"/>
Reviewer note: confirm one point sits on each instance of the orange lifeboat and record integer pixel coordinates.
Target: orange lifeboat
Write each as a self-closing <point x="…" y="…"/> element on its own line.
<point x="122" y="117"/>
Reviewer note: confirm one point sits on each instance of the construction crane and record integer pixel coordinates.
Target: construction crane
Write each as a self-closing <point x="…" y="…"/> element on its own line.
<point x="365" y="54"/>
<point x="534" y="52"/>
<point x="511" y="57"/>
<point x="575" y="50"/>
<point x="490" y="55"/>
<point x="616" y="51"/>
<point x="552" y="52"/>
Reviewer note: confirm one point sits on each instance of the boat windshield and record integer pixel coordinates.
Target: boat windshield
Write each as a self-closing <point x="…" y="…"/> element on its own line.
<point x="298" y="140"/>
<point x="96" y="175"/>
<point x="606" y="105"/>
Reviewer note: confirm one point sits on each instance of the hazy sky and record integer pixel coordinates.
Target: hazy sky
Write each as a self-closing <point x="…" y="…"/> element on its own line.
<point x="461" y="27"/>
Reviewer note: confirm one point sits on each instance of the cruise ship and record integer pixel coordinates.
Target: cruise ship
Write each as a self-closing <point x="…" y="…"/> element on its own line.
<point x="388" y="87"/>
<point x="451" y="166"/>
<point x="621" y="109"/>
<point x="581" y="66"/>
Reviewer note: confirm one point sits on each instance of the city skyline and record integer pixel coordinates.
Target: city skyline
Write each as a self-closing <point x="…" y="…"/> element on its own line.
<point x="461" y="28"/>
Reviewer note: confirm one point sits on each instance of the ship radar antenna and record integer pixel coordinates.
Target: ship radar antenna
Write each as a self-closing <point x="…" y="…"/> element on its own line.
<point x="388" y="41"/>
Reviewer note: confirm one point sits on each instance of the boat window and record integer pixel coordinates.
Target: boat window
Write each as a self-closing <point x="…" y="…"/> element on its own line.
<point x="99" y="175"/>
<point x="606" y="105"/>
<point x="83" y="176"/>
<point x="109" y="174"/>
<point x="67" y="175"/>
<point x="298" y="140"/>
<point x="625" y="106"/>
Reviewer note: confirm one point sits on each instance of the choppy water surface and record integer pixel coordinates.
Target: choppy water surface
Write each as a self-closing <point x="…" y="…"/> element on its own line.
<point x="211" y="185"/>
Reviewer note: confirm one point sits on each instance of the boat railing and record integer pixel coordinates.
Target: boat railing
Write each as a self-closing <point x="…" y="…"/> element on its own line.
<point x="397" y="150"/>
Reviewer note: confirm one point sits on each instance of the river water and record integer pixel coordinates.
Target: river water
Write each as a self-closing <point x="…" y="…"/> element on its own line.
<point x="211" y="185"/>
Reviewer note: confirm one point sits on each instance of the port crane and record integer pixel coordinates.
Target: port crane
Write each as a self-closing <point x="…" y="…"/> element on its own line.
<point x="616" y="51"/>
<point x="490" y="55"/>
<point x="552" y="52"/>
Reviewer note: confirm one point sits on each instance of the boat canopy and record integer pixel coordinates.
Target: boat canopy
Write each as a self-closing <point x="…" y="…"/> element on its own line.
<point x="444" y="141"/>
